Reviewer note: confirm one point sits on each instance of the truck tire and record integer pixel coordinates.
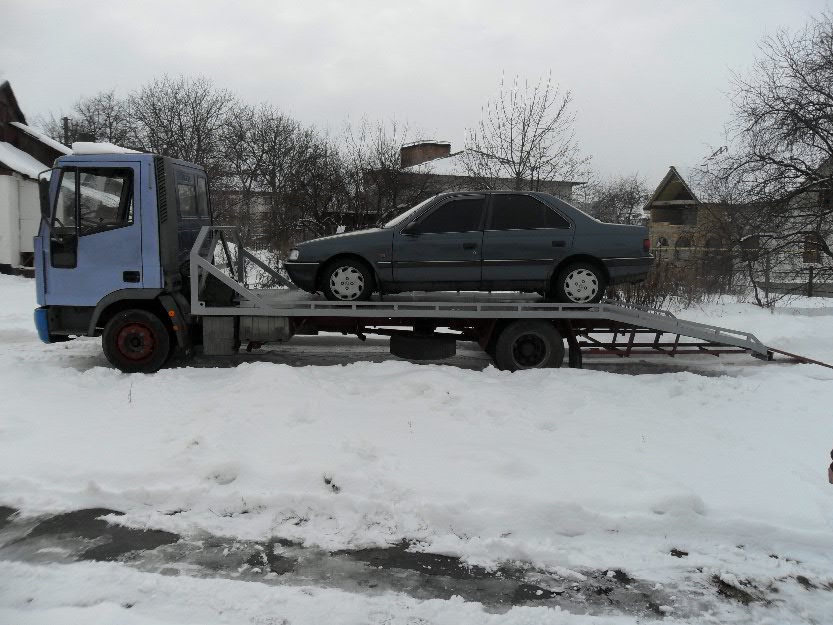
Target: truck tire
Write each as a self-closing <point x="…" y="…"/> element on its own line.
<point x="136" y="341"/>
<point x="416" y="347"/>
<point x="347" y="280"/>
<point x="529" y="344"/>
<point x="580" y="283"/>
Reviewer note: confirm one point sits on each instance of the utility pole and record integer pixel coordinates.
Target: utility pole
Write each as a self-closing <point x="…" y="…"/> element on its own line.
<point x="65" y="121"/>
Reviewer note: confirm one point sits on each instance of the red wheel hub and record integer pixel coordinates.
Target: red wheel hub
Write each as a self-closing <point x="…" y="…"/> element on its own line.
<point x="135" y="341"/>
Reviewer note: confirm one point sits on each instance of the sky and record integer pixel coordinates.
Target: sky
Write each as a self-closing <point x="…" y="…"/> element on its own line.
<point x="649" y="79"/>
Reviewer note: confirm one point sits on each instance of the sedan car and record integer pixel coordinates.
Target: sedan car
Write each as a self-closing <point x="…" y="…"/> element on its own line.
<point x="483" y="241"/>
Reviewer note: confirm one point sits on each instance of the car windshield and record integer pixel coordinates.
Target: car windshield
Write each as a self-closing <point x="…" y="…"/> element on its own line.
<point x="408" y="213"/>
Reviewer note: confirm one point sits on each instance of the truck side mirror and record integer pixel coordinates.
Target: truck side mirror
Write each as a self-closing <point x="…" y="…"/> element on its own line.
<point x="43" y="189"/>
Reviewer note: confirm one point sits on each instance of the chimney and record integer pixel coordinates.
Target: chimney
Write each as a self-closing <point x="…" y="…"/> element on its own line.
<point x="422" y="151"/>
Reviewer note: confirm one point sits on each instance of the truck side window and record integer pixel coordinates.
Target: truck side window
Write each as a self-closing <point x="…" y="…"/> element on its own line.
<point x="202" y="197"/>
<point x="65" y="206"/>
<point x="186" y="194"/>
<point x="105" y="199"/>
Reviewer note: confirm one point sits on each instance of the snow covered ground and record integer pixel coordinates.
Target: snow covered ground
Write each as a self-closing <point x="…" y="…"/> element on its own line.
<point x="708" y="485"/>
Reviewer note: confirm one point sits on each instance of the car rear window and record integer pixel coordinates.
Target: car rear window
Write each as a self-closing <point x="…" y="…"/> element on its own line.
<point x="523" y="212"/>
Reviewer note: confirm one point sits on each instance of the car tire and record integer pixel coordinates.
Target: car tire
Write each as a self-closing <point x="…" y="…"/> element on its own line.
<point x="347" y="280"/>
<point x="136" y="341"/>
<point x="580" y="283"/>
<point x="529" y="344"/>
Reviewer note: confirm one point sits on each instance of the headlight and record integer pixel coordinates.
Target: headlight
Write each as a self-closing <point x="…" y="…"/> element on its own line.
<point x="293" y="255"/>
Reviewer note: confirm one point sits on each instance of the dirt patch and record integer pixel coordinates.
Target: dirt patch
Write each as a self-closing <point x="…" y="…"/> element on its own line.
<point x="398" y="557"/>
<point x="118" y="540"/>
<point x="740" y="594"/>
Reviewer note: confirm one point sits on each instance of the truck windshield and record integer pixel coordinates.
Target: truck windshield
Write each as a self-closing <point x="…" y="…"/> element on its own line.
<point x="408" y="213"/>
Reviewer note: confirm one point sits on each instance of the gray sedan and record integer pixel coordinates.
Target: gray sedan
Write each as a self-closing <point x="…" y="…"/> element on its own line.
<point x="484" y="241"/>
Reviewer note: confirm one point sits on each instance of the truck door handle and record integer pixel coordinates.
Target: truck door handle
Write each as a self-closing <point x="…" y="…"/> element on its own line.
<point x="558" y="243"/>
<point x="469" y="246"/>
<point x="131" y="276"/>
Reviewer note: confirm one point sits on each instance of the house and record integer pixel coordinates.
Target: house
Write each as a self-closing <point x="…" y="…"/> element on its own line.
<point x="447" y="170"/>
<point x="24" y="153"/>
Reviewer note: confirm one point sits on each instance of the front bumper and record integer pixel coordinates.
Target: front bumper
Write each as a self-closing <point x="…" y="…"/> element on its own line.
<point x="303" y="274"/>
<point x="42" y="323"/>
<point x="633" y="269"/>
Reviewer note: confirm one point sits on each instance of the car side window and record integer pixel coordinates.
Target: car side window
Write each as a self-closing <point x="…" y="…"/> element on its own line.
<point x="523" y="212"/>
<point x="461" y="215"/>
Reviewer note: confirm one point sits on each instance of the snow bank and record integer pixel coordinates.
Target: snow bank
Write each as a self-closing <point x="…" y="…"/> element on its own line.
<point x="567" y="469"/>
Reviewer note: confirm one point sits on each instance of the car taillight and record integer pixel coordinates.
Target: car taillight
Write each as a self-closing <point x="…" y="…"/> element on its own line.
<point x="646" y="245"/>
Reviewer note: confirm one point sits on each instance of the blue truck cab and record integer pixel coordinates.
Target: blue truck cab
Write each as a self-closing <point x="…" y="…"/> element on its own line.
<point x="111" y="254"/>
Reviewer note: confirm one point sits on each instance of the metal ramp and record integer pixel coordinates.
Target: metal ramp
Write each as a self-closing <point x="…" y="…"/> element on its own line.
<point x="607" y="328"/>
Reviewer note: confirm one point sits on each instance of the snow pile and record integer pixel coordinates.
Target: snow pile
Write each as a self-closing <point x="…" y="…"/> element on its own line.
<point x="561" y="469"/>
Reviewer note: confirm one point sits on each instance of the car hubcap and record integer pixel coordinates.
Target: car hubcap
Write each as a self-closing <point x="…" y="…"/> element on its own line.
<point x="135" y="341"/>
<point x="581" y="285"/>
<point x="347" y="283"/>
<point x="530" y="351"/>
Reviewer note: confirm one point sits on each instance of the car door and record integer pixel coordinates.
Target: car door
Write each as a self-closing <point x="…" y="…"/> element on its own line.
<point x="95" y="243"/>
<point x="441" y="248"/>
<point x="523" y="241"/>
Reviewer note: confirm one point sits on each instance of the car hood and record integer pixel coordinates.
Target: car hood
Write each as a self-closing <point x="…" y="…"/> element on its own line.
<point x="342" y="236"/>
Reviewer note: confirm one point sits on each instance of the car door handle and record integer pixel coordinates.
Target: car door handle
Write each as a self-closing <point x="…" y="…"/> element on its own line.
<point x="131" y="276"/>
<point x="469" y="246"/>
<point x="558" y="243"/>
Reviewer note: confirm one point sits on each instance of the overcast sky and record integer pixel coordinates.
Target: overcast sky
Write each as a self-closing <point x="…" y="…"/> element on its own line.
<point x="649" y="78"/>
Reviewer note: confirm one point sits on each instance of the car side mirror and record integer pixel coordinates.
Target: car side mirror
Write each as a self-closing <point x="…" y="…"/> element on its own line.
<point x="410" y="229"/>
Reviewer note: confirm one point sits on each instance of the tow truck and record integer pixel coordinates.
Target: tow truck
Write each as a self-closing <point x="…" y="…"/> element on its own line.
<point x="127" y="250"/>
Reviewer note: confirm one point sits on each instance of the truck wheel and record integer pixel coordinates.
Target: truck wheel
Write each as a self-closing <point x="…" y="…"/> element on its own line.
<point x="136" y="341"/>
<point x="580" y="283"/>
<point x="529" y="344"/>
<point x="347" y="280"/>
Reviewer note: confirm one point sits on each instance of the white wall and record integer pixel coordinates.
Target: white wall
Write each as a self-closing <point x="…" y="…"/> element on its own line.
<point x="19" y="218"/>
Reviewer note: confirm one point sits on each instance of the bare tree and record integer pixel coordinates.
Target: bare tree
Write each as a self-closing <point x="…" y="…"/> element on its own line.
<point x="618" y="200"/>
<point x="379" y="186"/>
<point x="780" y="158"/>
<point x="102" y="117"/>
<point x="181" y="117"/>
<point x="525" y="137"/>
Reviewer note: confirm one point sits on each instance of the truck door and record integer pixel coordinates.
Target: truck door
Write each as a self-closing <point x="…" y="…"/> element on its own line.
<point x="94" y="244"/>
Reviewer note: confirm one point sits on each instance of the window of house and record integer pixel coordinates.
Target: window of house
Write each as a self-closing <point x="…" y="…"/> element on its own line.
<point x="523" y="212"/>
<point x="462" y="215"/>
<point x="812" y="249"/>
<point x="186" y="194"/>
<point x="682" y="248"/>
<point x="750" y="247"/>
<point x="713" y="243"/>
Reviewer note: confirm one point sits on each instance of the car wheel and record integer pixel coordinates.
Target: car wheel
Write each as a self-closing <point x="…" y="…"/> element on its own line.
<point x="580" y="283"/>
<point x="136" y="341"/>
<point x="347" y="280"/>
<point x="529" y="344"/>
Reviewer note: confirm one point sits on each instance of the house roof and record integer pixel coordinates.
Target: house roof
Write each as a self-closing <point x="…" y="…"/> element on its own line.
<point x="6" y="88"/>
<point x="20" y="161"/>
<point x="37" y="134"/>
<point x="672" y="191"/>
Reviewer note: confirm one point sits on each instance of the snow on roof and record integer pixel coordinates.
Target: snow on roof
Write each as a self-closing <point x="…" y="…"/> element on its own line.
<point x="20" y="161"/>
<point x="84" y="147"/>
<point x="451" y="165"/>
<point x="37" y="134"/>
